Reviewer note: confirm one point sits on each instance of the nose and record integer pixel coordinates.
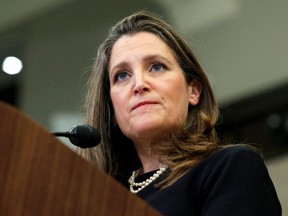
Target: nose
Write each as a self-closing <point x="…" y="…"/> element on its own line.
<point x="140" y="83"/>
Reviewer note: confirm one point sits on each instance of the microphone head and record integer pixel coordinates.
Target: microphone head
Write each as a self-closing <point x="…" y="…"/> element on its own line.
<point x="85" y="136"/>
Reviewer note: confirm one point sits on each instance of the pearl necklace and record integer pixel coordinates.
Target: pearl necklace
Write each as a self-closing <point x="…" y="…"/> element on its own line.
<point x="143" y="184"/>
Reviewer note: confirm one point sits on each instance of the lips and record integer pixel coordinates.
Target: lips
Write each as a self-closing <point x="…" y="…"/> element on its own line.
<point x="142" y="103"/>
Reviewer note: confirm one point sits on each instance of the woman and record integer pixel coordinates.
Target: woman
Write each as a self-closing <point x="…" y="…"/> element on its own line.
<point x="156" y="113"/>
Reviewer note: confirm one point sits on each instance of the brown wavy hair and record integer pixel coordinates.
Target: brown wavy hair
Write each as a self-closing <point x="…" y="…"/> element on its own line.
<point x="186" y="145"/>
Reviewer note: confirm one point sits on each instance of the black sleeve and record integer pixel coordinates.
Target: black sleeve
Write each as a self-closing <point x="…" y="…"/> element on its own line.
<point x="238" y="184"/>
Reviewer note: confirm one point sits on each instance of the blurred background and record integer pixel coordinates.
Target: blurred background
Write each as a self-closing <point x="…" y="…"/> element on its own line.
<point x="242" y="45"/>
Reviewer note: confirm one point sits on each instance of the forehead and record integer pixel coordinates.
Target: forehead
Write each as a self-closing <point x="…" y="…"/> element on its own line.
<point x="139" y="39"/>
<point x="140" y="44"/>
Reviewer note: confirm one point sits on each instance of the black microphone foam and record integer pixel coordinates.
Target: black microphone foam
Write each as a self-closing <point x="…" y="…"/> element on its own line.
<point x="83" y="136"/>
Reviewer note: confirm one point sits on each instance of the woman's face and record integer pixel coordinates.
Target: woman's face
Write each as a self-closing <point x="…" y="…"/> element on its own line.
<point x="149" y="93"/>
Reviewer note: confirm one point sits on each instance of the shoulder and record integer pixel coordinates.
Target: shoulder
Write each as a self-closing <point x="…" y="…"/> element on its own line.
<point x="236" y="151"/>
<point x="235" y="161"/>
<point x="234" y="174"/>
<point x="236" y="154"/>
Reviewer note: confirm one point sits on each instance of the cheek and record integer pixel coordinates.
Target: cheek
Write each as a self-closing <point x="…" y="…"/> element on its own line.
<point x="118" y="103"/>
<point x="179" y="102"/>
<point x="178" y="92"/>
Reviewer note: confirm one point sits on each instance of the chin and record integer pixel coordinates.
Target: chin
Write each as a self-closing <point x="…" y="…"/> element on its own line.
<point x="149" y="130"/>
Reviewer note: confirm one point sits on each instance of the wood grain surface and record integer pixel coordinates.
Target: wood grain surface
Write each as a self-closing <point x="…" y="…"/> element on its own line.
<point x="41" y="176"/>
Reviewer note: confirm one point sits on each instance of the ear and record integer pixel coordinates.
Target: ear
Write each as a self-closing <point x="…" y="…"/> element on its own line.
<point x="195" y="92"/>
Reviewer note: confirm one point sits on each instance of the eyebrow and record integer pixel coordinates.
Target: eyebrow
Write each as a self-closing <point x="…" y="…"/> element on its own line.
<point x="147" y="58"/>
<point x="119" y="65"/>
<point x="152" y="57"/>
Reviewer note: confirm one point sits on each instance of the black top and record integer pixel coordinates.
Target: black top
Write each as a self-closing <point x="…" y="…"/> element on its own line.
<point x="233" y="182"/>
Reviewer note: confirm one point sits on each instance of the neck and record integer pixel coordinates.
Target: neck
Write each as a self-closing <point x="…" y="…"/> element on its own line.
<point x="149" y="160"/>
<point x="150" y="165"/>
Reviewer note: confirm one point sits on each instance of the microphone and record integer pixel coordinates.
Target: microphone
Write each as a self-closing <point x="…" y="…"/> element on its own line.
<point x="83" y="136"/>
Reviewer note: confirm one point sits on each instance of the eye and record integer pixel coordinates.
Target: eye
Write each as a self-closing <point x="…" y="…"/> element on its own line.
<point x="120" y="76"/>
<point x="157" y="67"/>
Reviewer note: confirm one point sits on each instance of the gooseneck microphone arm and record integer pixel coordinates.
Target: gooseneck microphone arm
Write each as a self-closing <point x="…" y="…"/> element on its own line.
<point x="83" y="136"/>
<point x="66" y="134"/>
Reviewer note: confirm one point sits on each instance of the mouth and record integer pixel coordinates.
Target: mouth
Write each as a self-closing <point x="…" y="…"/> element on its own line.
<point x="143" y="103"/>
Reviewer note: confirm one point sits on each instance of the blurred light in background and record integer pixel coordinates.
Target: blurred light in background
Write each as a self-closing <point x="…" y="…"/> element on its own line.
<point x="12" y="65"/>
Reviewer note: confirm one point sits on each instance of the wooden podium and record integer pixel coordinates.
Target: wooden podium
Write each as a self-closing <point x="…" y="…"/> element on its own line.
<point x="41" y="176"/>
